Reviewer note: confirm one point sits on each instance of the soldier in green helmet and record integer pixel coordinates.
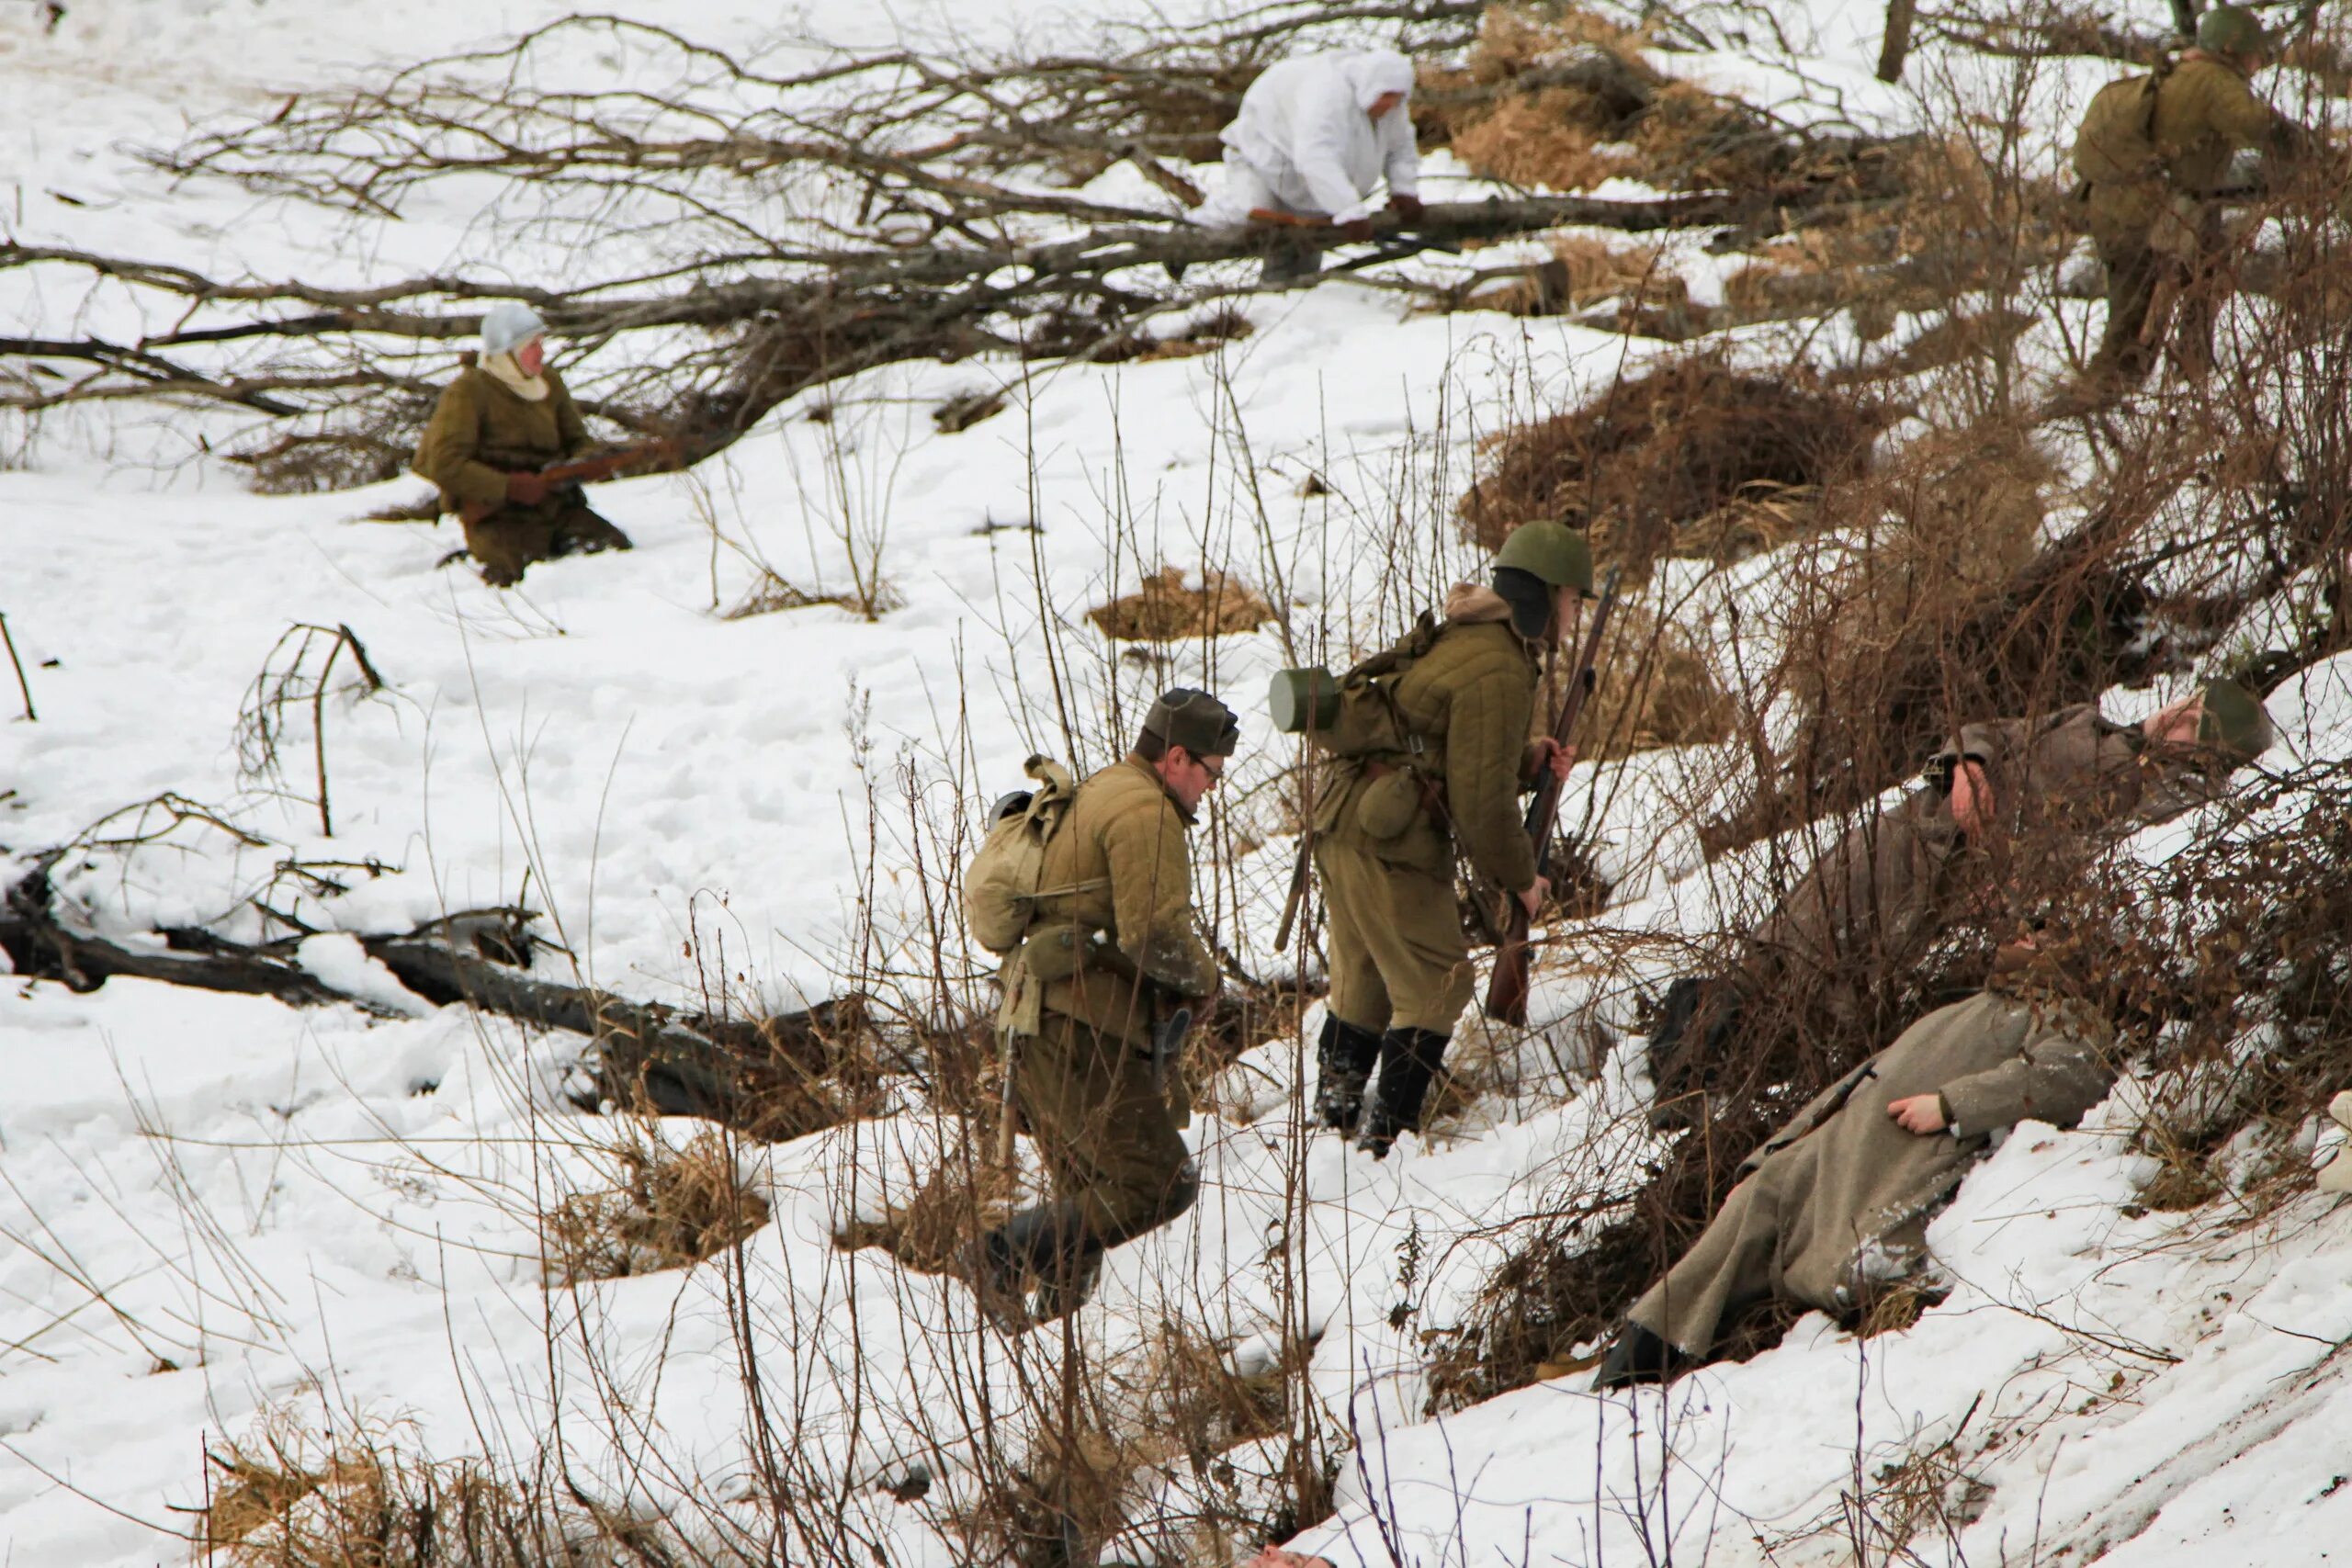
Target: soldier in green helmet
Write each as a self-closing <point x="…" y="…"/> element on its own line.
<point x="2153" y="153"/>
<point x="1112" y="951"/>
<point x="1441" y="769"/>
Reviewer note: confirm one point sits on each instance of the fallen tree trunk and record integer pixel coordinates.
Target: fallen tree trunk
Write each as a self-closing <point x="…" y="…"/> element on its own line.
<point x="774" y="1078"/>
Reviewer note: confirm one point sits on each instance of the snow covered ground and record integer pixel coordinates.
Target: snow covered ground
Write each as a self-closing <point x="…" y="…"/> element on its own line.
<point x="218" y="1207"/>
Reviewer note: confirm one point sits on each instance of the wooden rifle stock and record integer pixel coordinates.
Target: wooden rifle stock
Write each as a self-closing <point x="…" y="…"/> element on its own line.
<point x="590" y="470"/>
<point x="1506" y="988"/>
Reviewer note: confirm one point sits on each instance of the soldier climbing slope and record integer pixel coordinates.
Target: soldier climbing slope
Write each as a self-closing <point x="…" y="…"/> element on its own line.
<point x="1111" y="952"/>
<point x="1433" y="741"/>
<point x="1314" y="137"/>
<point x="496" y="427"/>
<point x="2153" y="151"/>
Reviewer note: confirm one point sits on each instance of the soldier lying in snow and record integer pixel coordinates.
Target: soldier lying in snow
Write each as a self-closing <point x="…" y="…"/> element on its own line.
<point x="1865" y="916"/>
<point x="1834" y="1205"/>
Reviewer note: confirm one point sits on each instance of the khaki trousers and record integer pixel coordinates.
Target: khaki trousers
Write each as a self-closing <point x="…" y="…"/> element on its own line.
<point x="1398" y="957"/>
<point x="512" y="537"/>
<point x="1110" y="1140"/>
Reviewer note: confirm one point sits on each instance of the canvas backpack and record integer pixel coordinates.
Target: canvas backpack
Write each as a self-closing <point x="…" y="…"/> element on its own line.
<point x="2116" y="144"/>
<point x="1366" y="721"/>
<point x="1001" y="885"/>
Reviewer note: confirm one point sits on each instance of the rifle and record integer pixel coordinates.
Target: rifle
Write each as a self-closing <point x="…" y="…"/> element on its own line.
<point x="1303" y="868"/>
<point x="1506" y="988"/>
<point x="589" y="470"/>
<point x="1395" y="246"/>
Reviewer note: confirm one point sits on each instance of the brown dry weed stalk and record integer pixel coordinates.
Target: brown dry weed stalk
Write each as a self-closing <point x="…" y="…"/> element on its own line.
<point x="1168" y="609"/>
<point x="668" y="1207"/>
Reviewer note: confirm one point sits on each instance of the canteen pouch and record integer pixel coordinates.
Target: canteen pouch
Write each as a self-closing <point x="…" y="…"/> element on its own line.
<point x="1389" y="804"/>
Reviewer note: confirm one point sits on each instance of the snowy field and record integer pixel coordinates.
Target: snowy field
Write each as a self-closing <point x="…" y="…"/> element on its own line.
<point x="214" y="1208"/>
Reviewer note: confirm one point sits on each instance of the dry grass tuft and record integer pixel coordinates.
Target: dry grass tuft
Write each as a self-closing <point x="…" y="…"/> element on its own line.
<point x="1541" y="140"/>
<point x="1166" y="610"/>
<point x="1953" y="517"/>
<point x="772" y="593"/>
<point x="1656" y="454"/>
<point x="670" y="1208"/>
<point x="284" y="1497"/>
<point x="1656" y="689"/>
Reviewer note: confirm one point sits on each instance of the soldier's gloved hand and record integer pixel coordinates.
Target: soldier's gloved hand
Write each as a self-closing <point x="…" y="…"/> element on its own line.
<point x="525" y="489"/>
<point x="1356" y="229"/>
<point x="1409" y="209"/>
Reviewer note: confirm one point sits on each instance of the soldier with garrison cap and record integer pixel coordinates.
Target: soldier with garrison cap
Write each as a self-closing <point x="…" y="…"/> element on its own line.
<point x="1458" y="698"/>
<point x="2153" y="151"/>
<point x="1113" y="949"/>
<point x="503" y="420"/>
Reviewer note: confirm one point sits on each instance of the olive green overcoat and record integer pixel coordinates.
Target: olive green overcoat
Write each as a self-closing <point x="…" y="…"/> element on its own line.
<point x="1836" y="1202"/>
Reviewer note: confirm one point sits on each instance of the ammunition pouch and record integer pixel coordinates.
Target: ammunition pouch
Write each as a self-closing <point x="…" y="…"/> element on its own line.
<point x="1052" y="953"/>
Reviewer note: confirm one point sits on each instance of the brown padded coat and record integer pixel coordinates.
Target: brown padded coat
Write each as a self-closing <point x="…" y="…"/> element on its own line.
<point x="1838" y="1200"/>
<point x="482" y="430"/>
<point x="1869" y="909"/>
<point x="1123" y="850"/>
<point x="2205" y="112"/>
<point x="1471" y="700"/>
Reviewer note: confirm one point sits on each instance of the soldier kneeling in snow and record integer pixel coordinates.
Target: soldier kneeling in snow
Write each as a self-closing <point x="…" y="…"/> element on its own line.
<point x="1834" y="1205"/>
<point x="1314" y="138"/>
<point x="496" y="427"/>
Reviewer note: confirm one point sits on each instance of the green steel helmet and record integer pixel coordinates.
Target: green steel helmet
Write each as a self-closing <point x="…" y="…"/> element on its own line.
<point x="2233" y="721"/>
<point x="2231" y="29"/>
<point x="1552" y="551"/>
<point x="1195" y="720"/>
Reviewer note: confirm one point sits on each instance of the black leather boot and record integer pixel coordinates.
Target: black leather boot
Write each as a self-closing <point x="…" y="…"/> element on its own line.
<point x="1638" y="1356"/>
<point x="1343" y="1062"/>
<point x="1408" y="1061"/>
<point x="1049" y="1243"/>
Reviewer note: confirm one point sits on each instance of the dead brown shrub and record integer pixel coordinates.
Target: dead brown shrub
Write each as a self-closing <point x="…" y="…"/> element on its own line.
<point x="1539" y="140"/>
<point x="1952" y="518"/>
<point x="1664" y="451"/>
<point x="771" y="594"/>
<point x="287" y="1498"/>
<point x="1166" y="610"/>
<point x="1654" y="688"/>
<point x="667" y="1208"/>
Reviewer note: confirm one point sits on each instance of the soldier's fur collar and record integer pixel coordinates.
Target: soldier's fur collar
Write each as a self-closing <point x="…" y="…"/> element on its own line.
<point x="1474" y="603"/>
<point x="509" y="375"/>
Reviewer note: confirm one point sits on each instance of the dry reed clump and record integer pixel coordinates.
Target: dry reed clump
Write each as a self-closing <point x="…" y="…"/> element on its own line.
<point x="669" y="1207"/>
<point x="1563" y="98"/>
<point x="286" y="1497"/>
<point x="1162" y="1420"/>
<point x="771" y="594"/>
<point x="1666" y="450"/>
<point x="1654" y="688"/>
<point x="1166" y="609"/>
<point x="1583" y="272"/>
<point x="1952" y="518"/>
<point x="1539" y="140"/>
